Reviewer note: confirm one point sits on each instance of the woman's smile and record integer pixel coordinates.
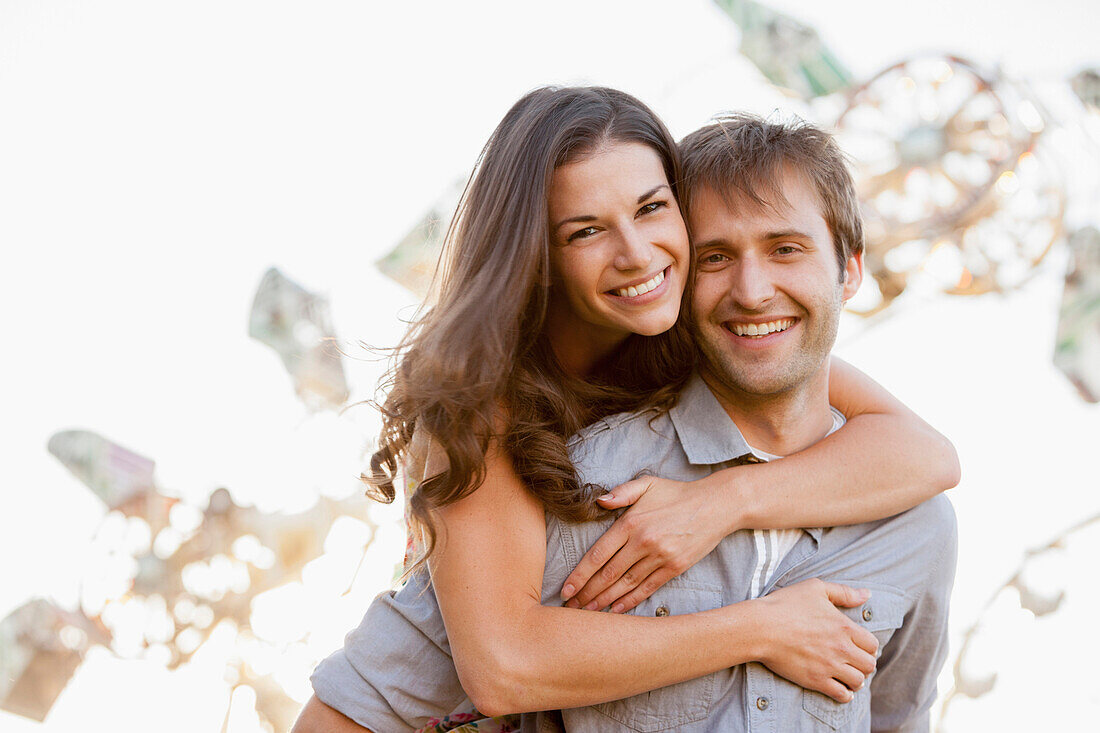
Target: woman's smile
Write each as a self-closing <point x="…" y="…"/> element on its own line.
<point x="634" y="293"/>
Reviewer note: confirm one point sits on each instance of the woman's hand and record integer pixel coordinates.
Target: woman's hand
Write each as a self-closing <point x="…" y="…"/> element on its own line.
<point x="814" y="645"/>
<point x="670" y="527"/>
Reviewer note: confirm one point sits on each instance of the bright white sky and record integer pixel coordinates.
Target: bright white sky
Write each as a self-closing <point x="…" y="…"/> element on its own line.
<point x="156" y="158"/>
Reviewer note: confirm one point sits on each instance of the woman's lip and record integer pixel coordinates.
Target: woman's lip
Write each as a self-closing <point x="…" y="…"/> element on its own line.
<point x="645" y="298"/>
<point x="639" y="281"/>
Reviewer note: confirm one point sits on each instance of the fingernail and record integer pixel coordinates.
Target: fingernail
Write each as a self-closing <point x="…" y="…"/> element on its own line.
<point x="618" y="608"/>
<point x="864" y="593"/>
<point x="591" y="606"/>
<point x="606" y="497"/>
<point x="567" y="591"/>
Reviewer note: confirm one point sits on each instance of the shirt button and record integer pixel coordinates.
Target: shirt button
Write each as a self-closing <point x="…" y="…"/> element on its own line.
<point x="661" y="611"/>
<point x="867" y="615"/>
<point x="762" y="703"/>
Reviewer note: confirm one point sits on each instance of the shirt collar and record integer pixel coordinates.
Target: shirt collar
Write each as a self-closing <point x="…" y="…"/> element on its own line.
<point x="706" y="432"/>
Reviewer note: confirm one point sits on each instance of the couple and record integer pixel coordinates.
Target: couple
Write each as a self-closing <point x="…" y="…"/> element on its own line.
<point x="572" y="297"/>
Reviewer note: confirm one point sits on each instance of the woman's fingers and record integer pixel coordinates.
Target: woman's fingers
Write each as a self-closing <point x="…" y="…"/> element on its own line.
<point x="835" y="690"/>
<point x="846" y="596"/>
<point x="865" y="640"/>
<point x="863" y="661"/>
<point x="644" y="590"/>
<point x="598" y="559"/>
<point x="617" y="568"/>
<point x="640" y="574"/>
<point x="624" y="494"/>
<point x="850" y="677"/>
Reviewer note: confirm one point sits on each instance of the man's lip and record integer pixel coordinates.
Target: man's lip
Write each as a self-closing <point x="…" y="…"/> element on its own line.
<point x="759" y="342"/>
<point x="639" y="281"/>
<point x="758" y="321"/>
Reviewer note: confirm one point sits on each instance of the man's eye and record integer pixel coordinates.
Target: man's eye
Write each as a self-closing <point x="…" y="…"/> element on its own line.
<point x="714" y="258"/>
<point x="582" y="234"/>
<point x="651" y="207"/>
<point x="786" y="249"/>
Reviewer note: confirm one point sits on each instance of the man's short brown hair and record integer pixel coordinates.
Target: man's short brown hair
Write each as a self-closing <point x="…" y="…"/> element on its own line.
<point x="743" y="155"/>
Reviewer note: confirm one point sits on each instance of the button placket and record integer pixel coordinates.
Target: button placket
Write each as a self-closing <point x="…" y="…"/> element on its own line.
<point x="760" y="695"/>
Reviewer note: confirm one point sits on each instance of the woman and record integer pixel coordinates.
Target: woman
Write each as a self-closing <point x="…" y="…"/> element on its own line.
<point x="567" y="264"/>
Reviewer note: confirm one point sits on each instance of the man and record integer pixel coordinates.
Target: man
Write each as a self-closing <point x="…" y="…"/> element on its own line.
<point x="779" y="249"/>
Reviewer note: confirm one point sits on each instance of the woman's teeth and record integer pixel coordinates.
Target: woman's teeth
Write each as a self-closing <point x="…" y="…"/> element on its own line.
<point x="636" y="290"/>
<point x="761" y="329"/>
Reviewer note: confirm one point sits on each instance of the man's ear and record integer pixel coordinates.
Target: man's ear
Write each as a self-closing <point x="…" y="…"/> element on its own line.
<point x="853" y="275"/>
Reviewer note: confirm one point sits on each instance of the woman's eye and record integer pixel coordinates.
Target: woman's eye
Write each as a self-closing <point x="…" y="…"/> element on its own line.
<point x="582" y="234"/>
<point x="651" y="207"/>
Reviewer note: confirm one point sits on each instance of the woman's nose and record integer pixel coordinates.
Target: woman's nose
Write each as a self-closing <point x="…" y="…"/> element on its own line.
<point x="635" y="251"/>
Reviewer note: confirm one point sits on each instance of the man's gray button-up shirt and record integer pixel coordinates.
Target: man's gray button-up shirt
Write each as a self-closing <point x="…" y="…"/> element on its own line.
<point x="906" y="561"/>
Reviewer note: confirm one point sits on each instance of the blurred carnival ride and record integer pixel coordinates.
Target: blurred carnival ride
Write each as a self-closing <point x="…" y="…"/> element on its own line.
<point x="161" y="577"/>
<point x="953" y="182"/>
<point x="297" y="325"/>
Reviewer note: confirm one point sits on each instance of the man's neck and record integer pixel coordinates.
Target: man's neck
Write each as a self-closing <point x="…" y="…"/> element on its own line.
<point x="782" y="423"/>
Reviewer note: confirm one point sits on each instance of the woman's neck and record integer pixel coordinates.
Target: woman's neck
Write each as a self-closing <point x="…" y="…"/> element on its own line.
<point x="579" y="346"/>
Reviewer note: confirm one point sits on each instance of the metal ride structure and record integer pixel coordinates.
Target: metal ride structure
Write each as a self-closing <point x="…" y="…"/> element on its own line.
<point x="162" y="577"/>
<point x="956" y="191"/>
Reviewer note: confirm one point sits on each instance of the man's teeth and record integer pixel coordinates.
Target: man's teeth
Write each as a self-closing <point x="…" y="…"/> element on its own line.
<point x="761" y="329"/>
<point x="645" y="287"/>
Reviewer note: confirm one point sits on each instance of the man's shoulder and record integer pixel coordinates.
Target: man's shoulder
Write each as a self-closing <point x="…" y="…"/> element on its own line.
<point x="649" y="423"/>
<point x="613" y="449"/>
<point x="935" y="516"/>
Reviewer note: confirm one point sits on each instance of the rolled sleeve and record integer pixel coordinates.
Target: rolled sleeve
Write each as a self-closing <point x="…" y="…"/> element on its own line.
<point x="395" y="670"/>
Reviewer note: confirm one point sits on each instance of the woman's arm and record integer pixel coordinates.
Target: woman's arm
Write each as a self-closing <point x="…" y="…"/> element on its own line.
<point x="884" y="460"/>
<point x="514" y="654"/>
<point x="316" y="717"/>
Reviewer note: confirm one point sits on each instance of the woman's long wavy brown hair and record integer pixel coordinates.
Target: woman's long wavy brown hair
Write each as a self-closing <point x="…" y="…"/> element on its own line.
<point x="477" y="364"/>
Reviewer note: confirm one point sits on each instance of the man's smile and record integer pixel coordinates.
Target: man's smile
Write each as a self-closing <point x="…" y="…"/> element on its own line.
<point x="757" y="330"/>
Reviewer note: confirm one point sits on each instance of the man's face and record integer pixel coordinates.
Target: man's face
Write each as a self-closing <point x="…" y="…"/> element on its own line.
<point x="768" y="291"/>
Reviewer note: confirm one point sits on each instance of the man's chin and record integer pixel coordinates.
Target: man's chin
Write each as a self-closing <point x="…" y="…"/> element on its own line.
<point x="756" y="380"/>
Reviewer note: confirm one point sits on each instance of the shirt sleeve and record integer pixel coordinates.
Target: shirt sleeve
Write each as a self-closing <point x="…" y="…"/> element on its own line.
<point x="395" y="671"/>
<point x="903" y="688"/>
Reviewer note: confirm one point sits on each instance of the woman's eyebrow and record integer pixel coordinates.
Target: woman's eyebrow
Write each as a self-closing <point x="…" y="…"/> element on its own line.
<point x="651" y="191"/>
<point x="574" y="220"/>
<point x="588" y="217"/>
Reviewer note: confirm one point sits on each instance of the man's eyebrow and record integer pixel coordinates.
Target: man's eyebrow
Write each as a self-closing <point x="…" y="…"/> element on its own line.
<point x="786" y="234"/>
<point x="716" y="242"/>
<point x="588" y="217"/>
<point x="771" y="236"/>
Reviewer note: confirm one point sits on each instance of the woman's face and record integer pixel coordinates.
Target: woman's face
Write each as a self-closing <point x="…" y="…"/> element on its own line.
<point x="618" y="245"/>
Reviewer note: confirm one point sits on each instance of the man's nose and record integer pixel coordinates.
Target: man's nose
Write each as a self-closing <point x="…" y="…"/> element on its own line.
<point x="751" y="286"/>
<point x="635" y="252"/>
